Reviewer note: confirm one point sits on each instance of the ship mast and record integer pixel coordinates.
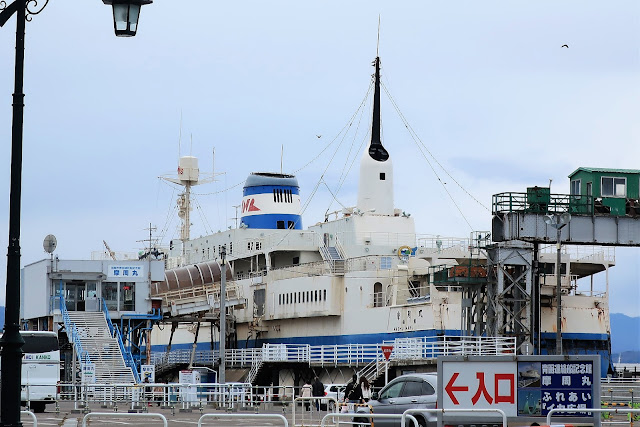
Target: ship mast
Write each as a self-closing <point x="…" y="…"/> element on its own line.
<point x="376" y="150"/>
<point x="375" y="189"/>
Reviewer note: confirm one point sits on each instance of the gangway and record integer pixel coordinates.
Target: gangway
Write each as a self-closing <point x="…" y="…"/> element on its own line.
<point x="517" y="217"/>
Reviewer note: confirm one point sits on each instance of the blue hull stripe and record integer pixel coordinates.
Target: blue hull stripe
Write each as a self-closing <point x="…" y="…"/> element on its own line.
<point x="270" y="221"/>
<point x="268" y="189"/>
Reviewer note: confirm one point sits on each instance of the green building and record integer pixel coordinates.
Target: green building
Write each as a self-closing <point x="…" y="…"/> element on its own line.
<point x="613" y="191"/>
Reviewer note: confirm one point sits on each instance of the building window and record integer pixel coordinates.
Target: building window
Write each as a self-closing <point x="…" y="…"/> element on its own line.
<point x="315" y="298"/>
<point x="291" y="224"/>
<point x="614" y="187"/>
<point x="280" y="225"/>
<point x="589" y="189"/>
<point x="127" y="296"/>
<point x="110" y="295"/>
<point x="296" y="260"/>
<point x="324" y="294"/>
<point x="575" y="187"/>
<point x="382" y="176"/>
<point x="274" y="195"/>
<point x="385" y="263"/>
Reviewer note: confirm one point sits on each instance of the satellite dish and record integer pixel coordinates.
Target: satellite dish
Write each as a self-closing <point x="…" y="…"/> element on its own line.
<point x="50" y="243"/>
<point x="548" y="219"/>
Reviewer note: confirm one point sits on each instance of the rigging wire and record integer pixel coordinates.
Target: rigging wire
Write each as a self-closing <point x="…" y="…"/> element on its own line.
<point x="415" y="136"/>
<point x="203" y="217"/>
<point x="420" y="146"/>
<point x="344" y="131"/>
<point x="345" y="171"/>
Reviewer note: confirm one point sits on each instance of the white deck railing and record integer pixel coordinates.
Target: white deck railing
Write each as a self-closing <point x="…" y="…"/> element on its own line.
<point x="404" y="349"/>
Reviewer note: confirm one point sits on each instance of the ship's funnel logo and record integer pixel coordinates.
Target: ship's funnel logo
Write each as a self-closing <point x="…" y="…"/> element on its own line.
<point x="249" y="206"/>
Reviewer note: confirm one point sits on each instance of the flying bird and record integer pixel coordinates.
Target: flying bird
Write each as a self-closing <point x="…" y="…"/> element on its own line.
<point x="319" y="136"/>
<point x="565" y="45"/>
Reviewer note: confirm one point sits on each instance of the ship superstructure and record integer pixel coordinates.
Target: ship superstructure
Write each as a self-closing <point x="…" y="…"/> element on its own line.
<point x="367" y="277"/>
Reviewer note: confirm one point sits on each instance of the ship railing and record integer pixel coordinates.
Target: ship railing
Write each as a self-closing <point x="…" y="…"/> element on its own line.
<point x="348" y="354"/>
<point x="377" y="239"/>
<point x="293" y="238"/>
<point x="317" y="268"/>
<point x="441" y="243"/>
<point x="586" y="253"/>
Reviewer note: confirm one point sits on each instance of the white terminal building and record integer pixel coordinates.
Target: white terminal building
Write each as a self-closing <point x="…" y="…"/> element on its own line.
<point x="86" y="286"/>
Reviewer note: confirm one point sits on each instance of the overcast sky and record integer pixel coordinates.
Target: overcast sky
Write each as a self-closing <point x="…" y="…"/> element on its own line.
<point x="485" y="85"/>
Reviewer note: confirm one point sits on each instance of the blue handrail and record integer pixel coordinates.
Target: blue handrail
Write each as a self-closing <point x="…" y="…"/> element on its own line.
<point x="115" y="333"/>
<point x="83" y="356"/>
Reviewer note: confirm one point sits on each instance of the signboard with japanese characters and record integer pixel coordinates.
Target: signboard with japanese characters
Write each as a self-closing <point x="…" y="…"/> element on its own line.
<point x="521" y="386"/>
<point x="480" y="385"/>
<point x="543" y="386"/>
<point x="148" y="373"/>
<point x="125" y="272"/>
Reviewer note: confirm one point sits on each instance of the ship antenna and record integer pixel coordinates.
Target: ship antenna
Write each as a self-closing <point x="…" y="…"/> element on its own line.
<point x="376" y="150"/>
<point x="180" y="134"/>
<point x="378" y="45"/>
<point x="281" y="156"/>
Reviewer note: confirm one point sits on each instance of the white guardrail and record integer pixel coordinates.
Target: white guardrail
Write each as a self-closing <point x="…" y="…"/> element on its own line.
<point x="347" y="354"/>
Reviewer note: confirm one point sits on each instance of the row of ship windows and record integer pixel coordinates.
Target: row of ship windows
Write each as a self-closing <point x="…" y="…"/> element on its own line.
<point x="254" y="245"/>
<point x="229" y="249"/>
<point x="303" y="296"/>
<point x="285" y="196"/>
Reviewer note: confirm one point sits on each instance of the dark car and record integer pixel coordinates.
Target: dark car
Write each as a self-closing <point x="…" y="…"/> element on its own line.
<point x="410" y="391"/>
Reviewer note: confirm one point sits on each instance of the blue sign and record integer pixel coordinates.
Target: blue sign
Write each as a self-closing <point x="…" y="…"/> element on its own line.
<point x="566" y="385"/>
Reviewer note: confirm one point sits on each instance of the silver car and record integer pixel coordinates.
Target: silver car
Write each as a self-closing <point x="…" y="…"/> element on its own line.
<point x="410" y="391"/>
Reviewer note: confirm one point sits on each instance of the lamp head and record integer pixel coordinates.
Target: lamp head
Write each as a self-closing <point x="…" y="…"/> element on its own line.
<point x="125" y="15"/>
<point x="549" y="219"/>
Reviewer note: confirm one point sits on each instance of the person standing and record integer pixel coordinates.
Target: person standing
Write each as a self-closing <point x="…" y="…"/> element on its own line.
<point x="318" y="391"/>
<point x="353" y="393"/>
<point x="366" y="389"/>
<point x="306" y="392"/>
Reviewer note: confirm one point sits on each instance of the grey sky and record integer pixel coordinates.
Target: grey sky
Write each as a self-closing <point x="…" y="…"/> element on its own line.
<point x="485" y="85"/>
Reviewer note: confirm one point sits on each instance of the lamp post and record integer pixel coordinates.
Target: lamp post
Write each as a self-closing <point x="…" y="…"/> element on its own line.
<point x="11" y="342"/>
<point x="223" y="316"/>
<point x="558" y="221"/>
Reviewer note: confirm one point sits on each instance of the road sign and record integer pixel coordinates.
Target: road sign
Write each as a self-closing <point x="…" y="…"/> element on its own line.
<point x="386" y="351"/>
<point x="521" y="386"/>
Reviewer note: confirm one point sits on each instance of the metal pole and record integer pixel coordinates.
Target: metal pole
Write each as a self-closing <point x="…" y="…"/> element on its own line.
<point x="11" y="342"/>
<point x="559" y="299"/>
<point x="223" y="316"/>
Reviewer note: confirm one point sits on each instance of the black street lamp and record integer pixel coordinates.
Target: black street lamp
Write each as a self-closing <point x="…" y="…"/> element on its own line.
<point x="11" y="341"/>
<point x="125" y="15"/>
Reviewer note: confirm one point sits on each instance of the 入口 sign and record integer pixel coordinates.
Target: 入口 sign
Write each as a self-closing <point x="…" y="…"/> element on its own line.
<point x="521" y="386"/>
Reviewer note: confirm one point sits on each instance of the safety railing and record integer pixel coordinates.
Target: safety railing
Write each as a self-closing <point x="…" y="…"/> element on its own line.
<point x="115" y="333"/>
<point x="546" y="204"/>
<point x="349" y="354"/>
<point x="83" y="356"/>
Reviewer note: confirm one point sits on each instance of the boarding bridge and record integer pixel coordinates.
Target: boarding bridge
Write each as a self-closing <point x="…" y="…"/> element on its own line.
<point x="194" y="289"/>
<point x="517" y="217"/>
<point x="521" y="223"/>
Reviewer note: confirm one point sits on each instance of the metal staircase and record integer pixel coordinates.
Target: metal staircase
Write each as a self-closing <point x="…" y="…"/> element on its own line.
<point x="95" y="344"/>
<point x="334" y="256"/>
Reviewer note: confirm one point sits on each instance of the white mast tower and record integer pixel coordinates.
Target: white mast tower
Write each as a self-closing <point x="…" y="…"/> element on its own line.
<point x="188" y="176"/>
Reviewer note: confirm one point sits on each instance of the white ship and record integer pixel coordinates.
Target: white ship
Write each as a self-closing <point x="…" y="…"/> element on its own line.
<point x="366" y="277"/>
